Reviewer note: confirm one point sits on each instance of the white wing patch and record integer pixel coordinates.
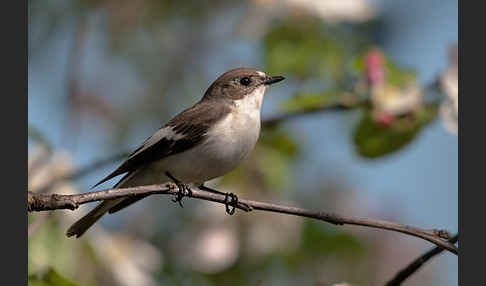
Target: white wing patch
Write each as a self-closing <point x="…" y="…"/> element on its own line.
<point x="166" y="132"/>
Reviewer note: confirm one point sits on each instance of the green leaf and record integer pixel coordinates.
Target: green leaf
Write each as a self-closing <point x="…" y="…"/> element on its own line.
<point x="33" y="280"/>
<point x="50" y="278"/>
<point x="397" y="76"/>
<point x="304" y="49"/>
<point x="428" y="113"/>
<point x="373" y="140"/>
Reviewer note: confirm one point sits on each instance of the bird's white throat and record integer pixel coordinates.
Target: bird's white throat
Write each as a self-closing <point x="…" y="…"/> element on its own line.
<point x="252" y="103"/>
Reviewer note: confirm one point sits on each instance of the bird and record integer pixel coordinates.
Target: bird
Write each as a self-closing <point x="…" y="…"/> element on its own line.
<point x="201" y="143"/>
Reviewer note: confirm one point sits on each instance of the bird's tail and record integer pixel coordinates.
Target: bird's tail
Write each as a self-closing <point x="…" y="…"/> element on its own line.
<point x="80" y="226"/>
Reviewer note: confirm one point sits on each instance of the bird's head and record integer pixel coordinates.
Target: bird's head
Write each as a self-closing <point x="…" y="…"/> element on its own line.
<point x="239" y="83"/>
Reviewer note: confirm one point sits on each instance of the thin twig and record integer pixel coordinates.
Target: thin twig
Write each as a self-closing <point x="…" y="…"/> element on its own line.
<point x="417" y="263"/>
<point x="43" y="202"/>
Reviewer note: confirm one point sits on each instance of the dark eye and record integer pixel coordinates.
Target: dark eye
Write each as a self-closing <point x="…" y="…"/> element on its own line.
<point x="245" y="81"/>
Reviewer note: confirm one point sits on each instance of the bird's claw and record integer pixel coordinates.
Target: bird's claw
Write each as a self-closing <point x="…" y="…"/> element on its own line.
<point x="234" y="203"/>
<point x="184" y="190"/>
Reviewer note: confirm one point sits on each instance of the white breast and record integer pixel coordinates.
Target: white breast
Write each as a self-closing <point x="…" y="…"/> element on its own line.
<point x="227" y="144"/>
<point x="232" y="139"/>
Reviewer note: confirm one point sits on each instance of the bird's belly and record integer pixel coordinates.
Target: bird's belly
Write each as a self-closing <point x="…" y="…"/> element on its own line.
<point x="232" y="141"/>
<point x="222" y="150"/>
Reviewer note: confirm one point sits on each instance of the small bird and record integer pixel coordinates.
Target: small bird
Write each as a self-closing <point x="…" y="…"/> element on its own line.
<point x="201" y="143"/>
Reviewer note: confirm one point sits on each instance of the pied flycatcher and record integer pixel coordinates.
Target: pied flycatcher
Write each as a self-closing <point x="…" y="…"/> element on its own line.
<point x="201" y="143"/>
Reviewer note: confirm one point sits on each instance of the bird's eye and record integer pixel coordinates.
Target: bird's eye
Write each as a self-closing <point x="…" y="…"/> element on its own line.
<point x="245" y="81"/>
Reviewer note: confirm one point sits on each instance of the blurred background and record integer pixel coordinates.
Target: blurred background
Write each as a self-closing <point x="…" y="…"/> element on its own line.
<point x="372" y="95"/>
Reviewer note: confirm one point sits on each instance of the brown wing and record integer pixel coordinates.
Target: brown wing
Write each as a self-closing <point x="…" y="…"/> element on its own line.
<point x="180" y="134"/>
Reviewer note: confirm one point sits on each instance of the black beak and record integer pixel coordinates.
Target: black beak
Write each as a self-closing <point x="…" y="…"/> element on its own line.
<point x="273" y="79"/>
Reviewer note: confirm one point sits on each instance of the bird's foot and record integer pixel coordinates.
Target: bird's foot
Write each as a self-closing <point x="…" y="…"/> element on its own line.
<point x="230" y="199"/>
<point x="233" y="203"/>
<point x="184" y="190"/>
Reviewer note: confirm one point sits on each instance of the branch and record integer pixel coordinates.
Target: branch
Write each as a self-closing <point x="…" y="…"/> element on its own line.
<point x="43" y="202"/>
<point x="417" y="263"/>
<point x="347" y="102"/>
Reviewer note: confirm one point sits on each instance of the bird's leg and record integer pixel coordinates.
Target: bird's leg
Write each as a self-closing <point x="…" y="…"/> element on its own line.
<point x="234" y="200"/>
<point x="233" y="203"/>
<point x="182" y="189"/>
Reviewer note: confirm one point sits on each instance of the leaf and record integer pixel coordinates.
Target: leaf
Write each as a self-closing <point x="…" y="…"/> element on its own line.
<point x="397" y="76"/>
<point x="373" y="140"/>
<point x="33" y="280"/>
<point x="304" y="49"/>
<point x="50" y="278"/>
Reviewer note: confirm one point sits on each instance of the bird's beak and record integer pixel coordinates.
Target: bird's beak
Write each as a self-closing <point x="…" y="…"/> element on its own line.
<point x="273" y="79"/>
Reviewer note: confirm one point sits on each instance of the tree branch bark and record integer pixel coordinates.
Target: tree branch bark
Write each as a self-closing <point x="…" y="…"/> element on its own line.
<point x="44" y="202"/>
<point x="417" y="263"/>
